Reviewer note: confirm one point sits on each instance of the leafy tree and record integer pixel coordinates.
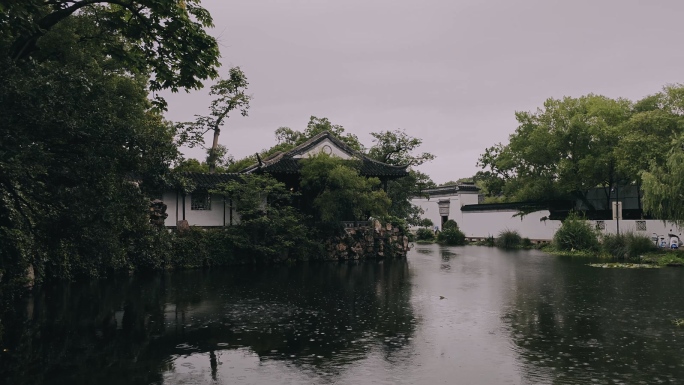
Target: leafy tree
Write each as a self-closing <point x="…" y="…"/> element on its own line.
<point x="451" y="234"/>
<point x="289" y="138"/>
<point x="338" y="192"/>
<point x="490" y="185"/>
<point x="269" y="226"/>
<point x="562" y="150"/>
<point x="650" y="140"/>
<point x="230" y="95"/>
<point x="398" y="148"/>
<point x="164" y="36"/>
<point x="392" y="147"/>
<point x="219" y="158"/>
<point x="457" y="182"/>
<point x="82" y="145"/>
<point x="663" y="185"/>
<point x="400" y="191"/>
<point x="242" y="164"/>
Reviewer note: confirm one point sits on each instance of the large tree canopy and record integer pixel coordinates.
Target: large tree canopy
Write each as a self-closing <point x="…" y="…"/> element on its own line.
<point x="572" y="145"/>
<point x="397" y="148"/>
<point x="338" y="192"/>
<point x="561" y="150"/>
<point x="167" y="37"/>
<point x="80" y="134"/>
<point x="663" y="185"/>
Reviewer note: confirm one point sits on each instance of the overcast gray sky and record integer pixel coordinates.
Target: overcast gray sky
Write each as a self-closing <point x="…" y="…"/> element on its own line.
<point x="451" y="72"/>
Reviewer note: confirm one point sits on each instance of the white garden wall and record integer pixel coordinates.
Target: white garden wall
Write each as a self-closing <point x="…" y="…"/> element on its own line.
<point x="535" y="226"/>
<point x="219" y="215"/>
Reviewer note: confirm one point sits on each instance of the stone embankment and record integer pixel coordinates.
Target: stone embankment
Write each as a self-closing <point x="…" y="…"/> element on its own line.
<point x="369" y="242"/>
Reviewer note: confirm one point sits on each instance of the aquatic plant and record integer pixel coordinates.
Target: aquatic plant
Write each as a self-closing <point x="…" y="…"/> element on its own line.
<point x="527" y="243"/>
<point x="509" y="239"/>
<point x="489" y="241"/>
<point x="624" y="265"/>
<point x="626" y="246"/>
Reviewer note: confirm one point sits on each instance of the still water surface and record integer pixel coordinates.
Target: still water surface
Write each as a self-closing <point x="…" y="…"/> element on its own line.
<point x="445" y="315"/>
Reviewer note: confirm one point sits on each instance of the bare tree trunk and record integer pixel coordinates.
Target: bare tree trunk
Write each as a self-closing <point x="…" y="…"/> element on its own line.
<point x="212" y="153"/>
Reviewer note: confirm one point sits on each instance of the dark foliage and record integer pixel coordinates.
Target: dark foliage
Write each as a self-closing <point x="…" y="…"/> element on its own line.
<point x="451" y="234"/>
<point x="575" y="234"/>
<point x="424" y="234"/>
<point x="626" y="246"/>
<point x="509" y="240"/>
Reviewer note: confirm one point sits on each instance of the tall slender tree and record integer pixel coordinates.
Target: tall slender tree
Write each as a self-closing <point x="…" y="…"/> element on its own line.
<point x="230" y="96"/>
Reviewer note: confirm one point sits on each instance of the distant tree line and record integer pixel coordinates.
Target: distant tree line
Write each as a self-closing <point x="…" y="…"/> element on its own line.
<point x="572" y="145"/>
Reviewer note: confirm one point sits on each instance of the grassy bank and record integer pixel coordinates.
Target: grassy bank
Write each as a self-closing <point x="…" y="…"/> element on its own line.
<point x="666" y="257"/>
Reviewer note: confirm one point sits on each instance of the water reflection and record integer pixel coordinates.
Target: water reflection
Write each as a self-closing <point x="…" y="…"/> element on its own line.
<point x="169" y="328"/>
<point x="446" y="255"/>
<point x="577" y="324"/>
<point x="470" y="315"/>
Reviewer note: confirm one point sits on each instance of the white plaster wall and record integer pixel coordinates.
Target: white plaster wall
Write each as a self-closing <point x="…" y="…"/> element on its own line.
<point x="430" y="209"/>
<point x="336" y="151"/>
<point x="169" y="199"/>
<point x="482" y="224"/>
<point x="213" y="217"/>
<point x="652" y="226"/>
<point x="491" y="223"/>
<point x="468" y="198"/>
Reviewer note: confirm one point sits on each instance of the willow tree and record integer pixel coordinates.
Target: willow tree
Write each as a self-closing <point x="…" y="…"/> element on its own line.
<point x="663" y="185"/>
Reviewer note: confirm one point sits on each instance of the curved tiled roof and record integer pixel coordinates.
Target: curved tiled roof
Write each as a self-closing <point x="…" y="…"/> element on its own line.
<point x="450" y="189"/>
<point x="286" y="163"/>
<point x="209" y="181"/>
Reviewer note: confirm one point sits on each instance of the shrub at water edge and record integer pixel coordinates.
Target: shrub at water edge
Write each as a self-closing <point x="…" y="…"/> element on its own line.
<point x="575" y="234"/>
<point x="509" y="239"/>
<point x="626" y="246"/>
<point x="451" y="234"/>
<point x="527" y="243"/>
<point x="424" y="234"/>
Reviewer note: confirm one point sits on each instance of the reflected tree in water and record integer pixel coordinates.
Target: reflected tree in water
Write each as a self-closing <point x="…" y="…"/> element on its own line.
<point x="580" y="332"/>
<point x="128" y="330"/>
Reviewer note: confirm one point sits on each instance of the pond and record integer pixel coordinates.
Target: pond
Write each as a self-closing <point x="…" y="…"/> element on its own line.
<point x="455" y="315"/>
